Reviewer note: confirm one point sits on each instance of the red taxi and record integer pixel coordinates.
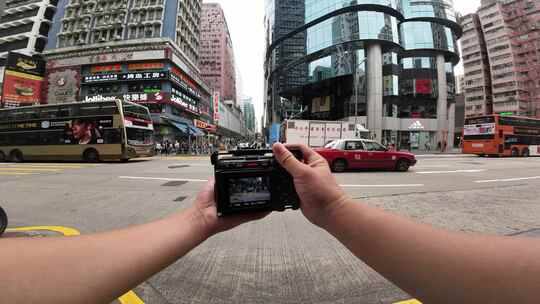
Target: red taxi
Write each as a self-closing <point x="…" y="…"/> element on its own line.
<point x="346" y="154"/>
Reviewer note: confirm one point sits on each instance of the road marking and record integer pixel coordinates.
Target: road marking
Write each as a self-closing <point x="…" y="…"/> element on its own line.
<point x="164" y="179"/>
<point x="409" y="302"/>
<point x="517" y="179"/>
<point x="30" y="169"/>
<point x="383" y="186"/>
<point x="128" y="298"/>
<point x="433" y="166"/>
<point x="448" y="172"/>
<point x="193" y="165"/>
<point x="17" y="173"/>
<point x="48" y="167"/>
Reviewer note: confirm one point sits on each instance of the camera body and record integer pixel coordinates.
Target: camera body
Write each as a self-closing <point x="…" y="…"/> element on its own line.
<point x="252" y="181"/>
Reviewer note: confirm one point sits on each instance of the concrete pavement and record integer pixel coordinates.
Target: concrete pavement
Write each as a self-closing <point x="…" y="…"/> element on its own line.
<point x="283" y="258"/>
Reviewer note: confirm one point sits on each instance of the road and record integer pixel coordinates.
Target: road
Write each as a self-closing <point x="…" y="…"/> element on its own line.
<point x="283" y="258"/>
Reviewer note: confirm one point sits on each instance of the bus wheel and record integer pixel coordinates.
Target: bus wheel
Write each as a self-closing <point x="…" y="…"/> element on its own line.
<point x="2" y="157"/>
<point x="3" y="221"/>
<point x="91" y="156"/>
<point x="515" y="152"/>
<point x="526" y="152"/>
<point x="124" y="160"/>
<point x="16" y="156"/>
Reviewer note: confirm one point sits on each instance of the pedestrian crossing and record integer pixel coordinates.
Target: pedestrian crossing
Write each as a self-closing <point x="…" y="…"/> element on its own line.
<point x="24" y="169"/>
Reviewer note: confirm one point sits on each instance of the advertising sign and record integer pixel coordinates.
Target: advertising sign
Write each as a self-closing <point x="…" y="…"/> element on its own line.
<point x="146" y="66"/>
<point x="158" y="97"/>
<point x="215" y="102"/>
<point x="83" y="58"/>
<point x="63" y="85"/>
<point x="125" y="77"/>
<point x="189" y="105"/>
<point x="200" y="124"/>
<point x="481" y="129"/>
<point x="424" y="86"/>
<point x="88" y="131"/>
<point x="21" y="89"/>
<point x="106" y="68"/>
<point x="25" y="64"/>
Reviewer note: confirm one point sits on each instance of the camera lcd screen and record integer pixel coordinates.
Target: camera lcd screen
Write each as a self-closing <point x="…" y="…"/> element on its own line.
<point x="250" y="191"/>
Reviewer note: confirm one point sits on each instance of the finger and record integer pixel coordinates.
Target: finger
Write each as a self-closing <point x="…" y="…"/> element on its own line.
<point x="287" y="160"/>
<point x="310" y="156"/>
<point x="207" y="192"/>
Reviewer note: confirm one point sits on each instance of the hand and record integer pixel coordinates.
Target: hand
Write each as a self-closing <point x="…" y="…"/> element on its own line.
<point x="320" y="195"/>
<point x="205" y="207"/>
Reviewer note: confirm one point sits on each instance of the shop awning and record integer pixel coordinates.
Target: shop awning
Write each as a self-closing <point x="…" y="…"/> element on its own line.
<point x="180" y="126"/>
<point x="196" y="131"/>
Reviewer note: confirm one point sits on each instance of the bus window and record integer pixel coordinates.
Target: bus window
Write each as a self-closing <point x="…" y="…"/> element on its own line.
<point x="49" y="112"/>
<point x="90" y="110"/>
<point x="112" y="136"/>
<point x="25" y="139"/>
<point x="3" y="140"/>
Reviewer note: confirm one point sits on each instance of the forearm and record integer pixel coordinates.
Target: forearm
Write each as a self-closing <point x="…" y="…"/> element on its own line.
<point x="95" y="268"/>
<point x="437" y="266"/>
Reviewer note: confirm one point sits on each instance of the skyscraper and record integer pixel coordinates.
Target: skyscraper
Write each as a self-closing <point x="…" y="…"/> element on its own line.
<point x="249" y="113"/>
<point x="387" y="65"/>
<point x="217" y="55"/>
<point x="510" y="31"/>
<point x="80" y="22"/>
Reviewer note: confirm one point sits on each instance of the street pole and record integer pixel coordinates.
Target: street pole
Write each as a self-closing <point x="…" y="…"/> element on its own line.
<point x="356" y="83"/>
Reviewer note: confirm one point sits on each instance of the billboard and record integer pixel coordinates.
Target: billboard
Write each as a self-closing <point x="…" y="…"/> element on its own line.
<point x="63" y="85"/>
<point x="21" y="89"/>
<point x="424" y="86"/>
<point x="23" y="78"/>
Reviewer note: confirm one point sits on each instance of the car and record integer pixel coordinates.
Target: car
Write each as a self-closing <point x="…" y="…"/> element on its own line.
<point x="344" y="154"/>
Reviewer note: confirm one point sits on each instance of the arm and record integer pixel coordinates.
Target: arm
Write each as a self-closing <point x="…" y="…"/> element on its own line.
<point x="433" y="265"/>
<point x="99" y="268"/>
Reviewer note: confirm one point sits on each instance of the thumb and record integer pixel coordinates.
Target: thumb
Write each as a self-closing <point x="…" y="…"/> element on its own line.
<point x="287" y="160"/>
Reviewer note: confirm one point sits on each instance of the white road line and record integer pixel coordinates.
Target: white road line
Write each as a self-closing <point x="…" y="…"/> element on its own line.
<point x="164" y="179"/>
<point x="192" y="165"/>
<point x="517" y="179"/>
<point x="448" y="172"/>
<point x="383" y="186"/>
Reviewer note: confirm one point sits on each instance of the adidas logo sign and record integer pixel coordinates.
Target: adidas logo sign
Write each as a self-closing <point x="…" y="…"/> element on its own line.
<point x="416" y="126"/>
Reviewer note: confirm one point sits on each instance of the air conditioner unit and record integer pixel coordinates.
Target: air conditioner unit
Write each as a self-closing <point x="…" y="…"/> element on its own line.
<point x="117" y="37"/>
<point x="102" y="39"/>
<point x="81" y="42"/>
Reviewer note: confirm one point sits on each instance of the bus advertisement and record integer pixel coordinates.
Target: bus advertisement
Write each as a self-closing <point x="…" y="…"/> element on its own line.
<point x="79" y="131"/>
<point x="497" y="135"/>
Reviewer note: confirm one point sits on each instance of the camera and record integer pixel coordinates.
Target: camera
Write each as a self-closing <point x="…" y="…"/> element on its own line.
<point x="253" y="181"/>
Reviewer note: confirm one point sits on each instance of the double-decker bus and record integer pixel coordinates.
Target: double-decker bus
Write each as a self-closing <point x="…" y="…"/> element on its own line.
<point x="497" y="135"/>
<point x="93" y="131"/>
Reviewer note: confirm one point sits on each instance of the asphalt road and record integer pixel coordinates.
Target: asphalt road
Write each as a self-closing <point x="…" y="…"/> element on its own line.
<point x="283" y="258"/>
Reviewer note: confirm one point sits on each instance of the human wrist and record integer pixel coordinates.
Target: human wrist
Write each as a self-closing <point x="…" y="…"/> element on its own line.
<point x="333" y="214"/>
<point x="198" y="223"/>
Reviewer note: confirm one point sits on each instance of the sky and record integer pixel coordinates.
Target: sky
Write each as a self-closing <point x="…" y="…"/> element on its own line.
<point x="245" y="19"/>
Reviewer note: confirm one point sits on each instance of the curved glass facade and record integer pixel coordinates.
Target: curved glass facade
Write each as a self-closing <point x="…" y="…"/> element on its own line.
<point x="350" y="27"/>
<point x="427" y="35"/>
<point x="442" y="9"/>
<point x="319" y="8"/>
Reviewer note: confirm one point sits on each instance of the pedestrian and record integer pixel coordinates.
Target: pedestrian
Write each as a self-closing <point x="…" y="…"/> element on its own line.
<point x="176" y="147"/>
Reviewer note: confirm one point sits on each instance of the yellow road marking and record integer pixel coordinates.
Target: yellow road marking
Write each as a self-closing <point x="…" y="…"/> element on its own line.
<point x="16" y="173"/>
<point x="129" y="298"/>
<point x="409" y="302"/>
<point x="48" y="167"/>
<point x="30" y="169"/>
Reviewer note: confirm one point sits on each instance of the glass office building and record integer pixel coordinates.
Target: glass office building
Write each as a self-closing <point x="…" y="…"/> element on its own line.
<point x="384" y="64"/>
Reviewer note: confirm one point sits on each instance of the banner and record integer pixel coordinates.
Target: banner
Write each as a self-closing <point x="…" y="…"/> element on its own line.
<point x="146" y="66"/>
<point x="63" y="85"/>
<point x="21" y="89"/>
<point x="106" y="68"/>
<point x="215" y="102"/>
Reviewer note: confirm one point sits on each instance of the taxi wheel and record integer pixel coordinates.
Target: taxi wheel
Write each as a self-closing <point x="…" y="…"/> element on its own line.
<point x="402" y="165"/>
<point x="526" y="152"/>
<point x="339" y="165"/>
<point x="3" y="221"/>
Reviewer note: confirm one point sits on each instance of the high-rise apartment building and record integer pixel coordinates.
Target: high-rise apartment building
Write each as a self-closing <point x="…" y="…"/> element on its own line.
<point x="477" y="78"/>
<point x="79" y="22"/>
<point x="24" y="26"/>
<point x="216" y="53"/>
<point x="386" y="65"/>
<point x="249" y="113"/>
<point x="510" y="36"/>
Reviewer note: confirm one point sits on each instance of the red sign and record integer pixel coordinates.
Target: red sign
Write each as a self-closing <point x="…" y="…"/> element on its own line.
<point x="200" y="124"/>
<point x="21" y="89"/>
<point x="424" y="86"/>
<point x="184" y="77"/>
<point x="106" y="68"/>
<point x="211" y="128"/>
<point x="146" y="66"/>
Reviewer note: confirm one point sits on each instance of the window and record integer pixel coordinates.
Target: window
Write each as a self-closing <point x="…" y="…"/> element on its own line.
<point x="373" y="146"/>
<point x="354" y="145"/>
